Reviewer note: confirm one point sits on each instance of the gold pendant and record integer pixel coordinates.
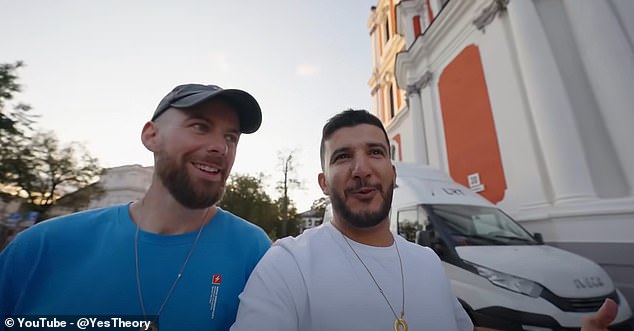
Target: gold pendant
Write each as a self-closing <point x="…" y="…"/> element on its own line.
<point x="400" y="325"/>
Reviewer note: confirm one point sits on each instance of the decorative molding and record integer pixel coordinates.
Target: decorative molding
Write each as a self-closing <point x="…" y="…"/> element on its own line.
<point x="405" y="11"/>
<point x="411" y="89"/>
<point x="420" y="84"/>
<point x="488" y="14"/>
<point x="425" y="79"/>
<point x="381" y="13"/>
<point x="387" y="78"/>
<point x="429" y="50"/>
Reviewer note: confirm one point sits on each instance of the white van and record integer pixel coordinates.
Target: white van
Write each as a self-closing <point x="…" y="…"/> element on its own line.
<point x="504" y="276"/>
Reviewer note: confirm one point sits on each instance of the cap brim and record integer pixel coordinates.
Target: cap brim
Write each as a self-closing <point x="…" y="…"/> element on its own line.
<point x="249" y="112"/>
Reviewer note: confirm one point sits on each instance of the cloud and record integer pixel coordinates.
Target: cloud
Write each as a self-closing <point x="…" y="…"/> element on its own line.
<point x="306" y="69"/>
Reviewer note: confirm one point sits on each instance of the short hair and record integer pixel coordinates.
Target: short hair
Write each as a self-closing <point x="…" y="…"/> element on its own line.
<point x="345" y="119"/>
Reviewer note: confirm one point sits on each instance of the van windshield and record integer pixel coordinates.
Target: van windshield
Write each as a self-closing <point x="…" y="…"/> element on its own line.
<point x="477" y="225"/>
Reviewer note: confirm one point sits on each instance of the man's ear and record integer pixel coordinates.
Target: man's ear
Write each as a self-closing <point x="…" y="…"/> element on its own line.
<point x="149" y="136"/>
<point x="322" y="183"/>
<point x="395" y="174"/>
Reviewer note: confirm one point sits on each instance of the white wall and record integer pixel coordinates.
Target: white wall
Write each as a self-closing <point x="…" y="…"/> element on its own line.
<point x="570" y="173"/>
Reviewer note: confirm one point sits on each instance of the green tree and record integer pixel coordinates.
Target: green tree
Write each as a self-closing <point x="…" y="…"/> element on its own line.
<point x="12" y="121"/>
<point x="42" y="170"/>
<point x="15" y="122"/>
<point x="245" y="196"/>
<point x="290" y="225"/>
<point x="35" y="164"/>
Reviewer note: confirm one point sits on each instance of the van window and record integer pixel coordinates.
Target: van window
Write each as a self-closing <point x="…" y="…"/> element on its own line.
<point x="485" y="223"/>
<point x="477" y="225"/>
<point x="410" y="221"/>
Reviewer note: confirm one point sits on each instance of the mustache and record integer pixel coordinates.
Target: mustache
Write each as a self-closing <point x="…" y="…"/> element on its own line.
<point x="359" y="184"/>
<point x="215" y="159"/>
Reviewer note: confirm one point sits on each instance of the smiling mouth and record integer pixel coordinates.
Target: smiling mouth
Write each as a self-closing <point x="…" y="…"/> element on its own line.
<point x="206" y="168"/>
<point x="365" y="190"/>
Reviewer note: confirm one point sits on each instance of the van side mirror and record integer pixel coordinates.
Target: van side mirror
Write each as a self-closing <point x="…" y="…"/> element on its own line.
<point x="423" y="238"/>
<point x="538" y="237"/>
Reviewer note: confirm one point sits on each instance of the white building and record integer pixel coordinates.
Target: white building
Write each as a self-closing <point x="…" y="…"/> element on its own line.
<point x="124" y="184"/>
<point x="309" y="219"/>
<point x="529" y="101"/>
<point x="121" y="184"/>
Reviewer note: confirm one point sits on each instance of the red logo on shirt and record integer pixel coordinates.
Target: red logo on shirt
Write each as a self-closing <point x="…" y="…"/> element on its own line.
<point x="216" y="279"/>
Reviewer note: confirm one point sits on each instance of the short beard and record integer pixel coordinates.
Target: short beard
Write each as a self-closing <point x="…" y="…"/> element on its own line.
<point x="364" y="219"/>
<point x="179" y="184"/>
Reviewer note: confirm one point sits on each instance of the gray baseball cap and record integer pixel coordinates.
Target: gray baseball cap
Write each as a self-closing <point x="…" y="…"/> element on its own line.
<point x="190" y="95"/>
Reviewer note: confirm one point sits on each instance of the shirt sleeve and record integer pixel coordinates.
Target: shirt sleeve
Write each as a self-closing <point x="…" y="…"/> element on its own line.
<point x="462" y="318"/>
<point x="274" y="297"/>
<point x="17" y="261"/>
<point x="6" y="293"/>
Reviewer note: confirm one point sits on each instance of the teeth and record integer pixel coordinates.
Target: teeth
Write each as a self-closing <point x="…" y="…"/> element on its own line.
<point x="207" y="168"/>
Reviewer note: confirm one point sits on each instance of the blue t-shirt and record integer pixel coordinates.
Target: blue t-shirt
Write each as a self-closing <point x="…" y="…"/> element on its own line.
<point x="84" y="264"/>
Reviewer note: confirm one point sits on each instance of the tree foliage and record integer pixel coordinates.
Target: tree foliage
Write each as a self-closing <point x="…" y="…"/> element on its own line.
<point x="34" y="164"/>
<point x="42" y="170"/>
<point x="245" y="196"/>
<point x="12" y="121"/>
<point x="290" y="225"/>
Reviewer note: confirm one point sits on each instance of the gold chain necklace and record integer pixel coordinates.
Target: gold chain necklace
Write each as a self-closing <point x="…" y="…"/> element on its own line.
<point x="399" y="323"/>
<point x="153" y="324"/>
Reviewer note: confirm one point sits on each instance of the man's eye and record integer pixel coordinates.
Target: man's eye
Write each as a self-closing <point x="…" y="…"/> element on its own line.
<point x="341" y="157"/>
<point x="232" y="139"/>
<point x="377" y="152"/>
<point x="200" y="127"/>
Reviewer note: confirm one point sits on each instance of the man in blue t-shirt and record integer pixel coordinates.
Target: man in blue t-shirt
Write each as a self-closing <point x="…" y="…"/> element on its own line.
<point x="173" y="258"/>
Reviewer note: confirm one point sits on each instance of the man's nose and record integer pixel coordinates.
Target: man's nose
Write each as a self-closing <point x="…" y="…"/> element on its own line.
<point x="218" y="146"/>
<point x="361" y="167"/>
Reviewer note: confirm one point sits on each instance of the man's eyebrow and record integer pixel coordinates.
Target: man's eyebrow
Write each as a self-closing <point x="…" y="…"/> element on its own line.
<point x="198" y="116"/>
<point x="339" y="150"/>
<point x="201" y="116"/>
<point x="368" y="145"/>
<point x="373" y="145"/>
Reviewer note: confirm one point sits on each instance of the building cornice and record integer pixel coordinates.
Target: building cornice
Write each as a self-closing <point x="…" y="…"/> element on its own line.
<point x="397" y="120"/>
<point x="383" y="74"/>
<point x="406" y="7"/>
<point x="395" y="45"/>
<point x="489" y="13"/>
<point x="451" y="24"/>
<point x="420" y="84"/>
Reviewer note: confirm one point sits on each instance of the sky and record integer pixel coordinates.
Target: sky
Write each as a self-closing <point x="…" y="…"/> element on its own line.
<point x="96" y="70"/>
